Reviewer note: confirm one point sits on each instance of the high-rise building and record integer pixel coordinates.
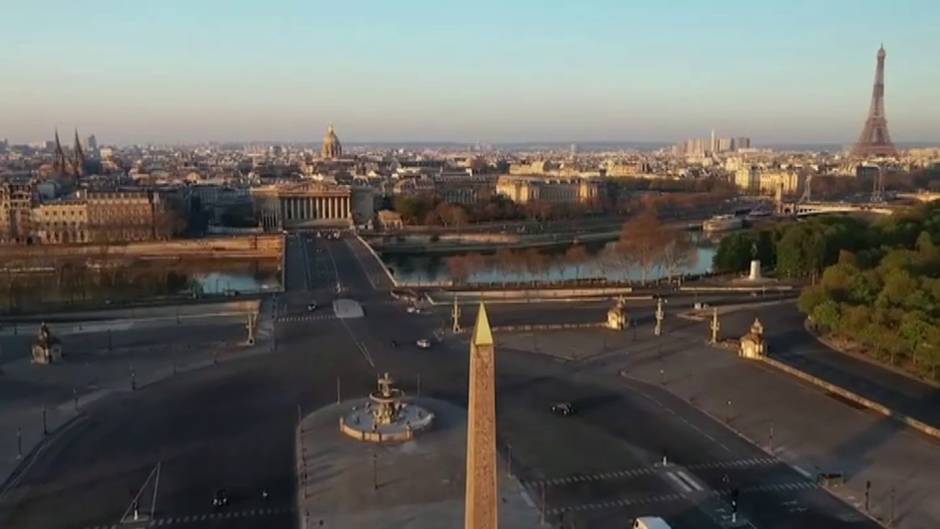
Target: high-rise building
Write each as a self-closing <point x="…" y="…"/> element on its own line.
<point x="747" y="179"/>
<point x="92" y="143"/>
<point x="742" y="142"/>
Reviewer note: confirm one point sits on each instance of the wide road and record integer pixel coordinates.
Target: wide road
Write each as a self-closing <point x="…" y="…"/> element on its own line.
<point x="232" y="427"/>
<point x="800" y="349"/>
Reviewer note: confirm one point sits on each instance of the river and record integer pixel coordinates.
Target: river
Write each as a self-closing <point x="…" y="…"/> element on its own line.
<point x="72" y="286"/>
<point x="524" y="266"/>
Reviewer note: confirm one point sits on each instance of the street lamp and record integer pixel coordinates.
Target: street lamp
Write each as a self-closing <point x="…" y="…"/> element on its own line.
<point x="375" y="471"/>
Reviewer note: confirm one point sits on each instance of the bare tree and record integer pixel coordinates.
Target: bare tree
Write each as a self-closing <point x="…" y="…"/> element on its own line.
<point x="458" y="269"/>
<point x="576" y="256"/>
<point x="678" y="252"/>
<point x="641" y="241"/>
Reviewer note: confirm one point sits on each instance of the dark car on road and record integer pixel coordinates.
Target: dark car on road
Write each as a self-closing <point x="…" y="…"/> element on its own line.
<point x="563" y="408"/>
<point x="220" y="499"/>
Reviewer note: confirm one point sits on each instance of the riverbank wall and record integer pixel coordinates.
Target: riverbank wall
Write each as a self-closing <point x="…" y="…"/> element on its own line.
<point x="268" y="246"/>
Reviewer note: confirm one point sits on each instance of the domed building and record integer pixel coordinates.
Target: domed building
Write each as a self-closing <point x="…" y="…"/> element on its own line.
<point x="331" y="147"/>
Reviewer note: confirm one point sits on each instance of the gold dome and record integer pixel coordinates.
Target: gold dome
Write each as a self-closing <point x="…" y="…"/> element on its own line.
<point x="332" y="148"/>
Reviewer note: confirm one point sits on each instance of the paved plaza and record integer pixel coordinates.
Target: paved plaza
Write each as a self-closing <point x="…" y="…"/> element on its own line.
<point x="418" y="484"/>
<point x="233" y="424"/>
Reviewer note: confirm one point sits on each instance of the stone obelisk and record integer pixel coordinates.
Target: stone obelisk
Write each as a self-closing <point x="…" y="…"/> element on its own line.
<point x="481" y="496"/>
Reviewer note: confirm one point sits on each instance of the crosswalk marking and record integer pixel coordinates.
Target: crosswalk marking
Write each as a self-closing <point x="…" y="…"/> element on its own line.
<point x="682" y="496"/>
<point x="685" y="481"/>
<point x="172" y="520"/>
<point x="644" y="471"/>
<point x="304" y="317"/>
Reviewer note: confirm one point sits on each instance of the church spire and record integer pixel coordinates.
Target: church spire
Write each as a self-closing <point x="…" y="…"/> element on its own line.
<point x="78" y="154"/>
<point x="59" y="164"/>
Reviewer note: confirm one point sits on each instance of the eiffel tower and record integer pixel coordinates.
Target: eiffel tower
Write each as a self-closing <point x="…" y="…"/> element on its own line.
<point x="875" y="140"/>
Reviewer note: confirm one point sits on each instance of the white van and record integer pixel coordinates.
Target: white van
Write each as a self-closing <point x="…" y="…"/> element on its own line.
<point x="650" y="522"/>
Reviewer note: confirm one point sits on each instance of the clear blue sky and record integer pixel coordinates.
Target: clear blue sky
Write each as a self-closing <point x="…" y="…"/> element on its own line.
<point x="787" y="71"/>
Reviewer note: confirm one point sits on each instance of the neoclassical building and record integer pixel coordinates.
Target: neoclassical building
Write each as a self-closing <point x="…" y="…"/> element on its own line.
<point x="332" y="149"/>
<point x="525" y="189"/>
<point x="83" y="217"/>
<point x="302" y="205"/>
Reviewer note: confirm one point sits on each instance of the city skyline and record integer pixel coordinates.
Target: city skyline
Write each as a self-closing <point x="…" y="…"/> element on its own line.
<point x="421" y="73"/>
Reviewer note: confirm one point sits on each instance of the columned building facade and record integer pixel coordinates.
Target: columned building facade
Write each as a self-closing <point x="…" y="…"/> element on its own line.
<point x="302" y="205"/>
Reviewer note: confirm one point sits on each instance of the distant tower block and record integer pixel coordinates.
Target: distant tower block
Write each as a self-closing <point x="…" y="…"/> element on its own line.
<point x="481" y="499"/>
<point x="875" y="140"/>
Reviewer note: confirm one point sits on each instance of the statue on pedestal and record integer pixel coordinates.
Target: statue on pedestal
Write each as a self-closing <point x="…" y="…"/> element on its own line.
<point x="753" y="344"/>
<point x="47" y="348"/>
<point x="617" y="317"/>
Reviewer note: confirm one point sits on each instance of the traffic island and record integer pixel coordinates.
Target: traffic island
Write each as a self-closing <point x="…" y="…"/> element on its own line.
<point x="416" y="483"/>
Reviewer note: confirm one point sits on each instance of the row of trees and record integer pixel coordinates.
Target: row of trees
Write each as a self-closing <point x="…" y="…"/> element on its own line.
<point x="671" y="198"/>
<point x="648" y="243"/>
<point x="795" y="250"/>
<point x="879" y="282"/>
<point x="73" y="283"/>
<point x="531" y="261"/>
<point x="645" y="244"/>
<point x="428" y="209"/>
<point x="804" y="249"/>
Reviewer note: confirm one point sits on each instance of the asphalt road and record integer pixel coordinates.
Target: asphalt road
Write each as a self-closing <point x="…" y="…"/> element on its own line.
<point x="798" y="348"/>
<point x="231" y="427"/>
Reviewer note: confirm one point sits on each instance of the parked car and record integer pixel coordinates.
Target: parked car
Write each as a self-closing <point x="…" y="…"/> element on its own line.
<point x="424" y="343"/>
<point x="563" y="408"/>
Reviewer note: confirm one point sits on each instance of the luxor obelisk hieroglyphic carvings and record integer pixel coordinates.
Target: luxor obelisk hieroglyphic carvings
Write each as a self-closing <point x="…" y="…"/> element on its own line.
<point x="481" y="496"/>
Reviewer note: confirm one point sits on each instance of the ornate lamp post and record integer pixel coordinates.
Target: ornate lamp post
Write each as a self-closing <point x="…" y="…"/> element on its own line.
<point x="660" y="315"/>
<point x="715" y="326"/>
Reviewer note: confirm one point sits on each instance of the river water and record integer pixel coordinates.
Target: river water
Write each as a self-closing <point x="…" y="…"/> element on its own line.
<point x="78" y="286"/>
<point x="547" y="265"/>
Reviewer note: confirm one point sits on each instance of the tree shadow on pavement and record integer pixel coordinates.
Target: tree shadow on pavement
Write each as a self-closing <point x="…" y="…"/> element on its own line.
<point x="852" y="455"/>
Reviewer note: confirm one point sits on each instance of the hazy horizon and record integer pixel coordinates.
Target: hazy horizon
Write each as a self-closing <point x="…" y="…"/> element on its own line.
<point x="516" y="72"/>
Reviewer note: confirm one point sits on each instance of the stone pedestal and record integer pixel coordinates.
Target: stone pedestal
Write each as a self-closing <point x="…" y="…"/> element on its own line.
<point x="754" y="274"/>
<point x="47" y="349"/>
<point x="617" y="317"/>
<point x="48" y="354"/>
<point x="753" y="344"/>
